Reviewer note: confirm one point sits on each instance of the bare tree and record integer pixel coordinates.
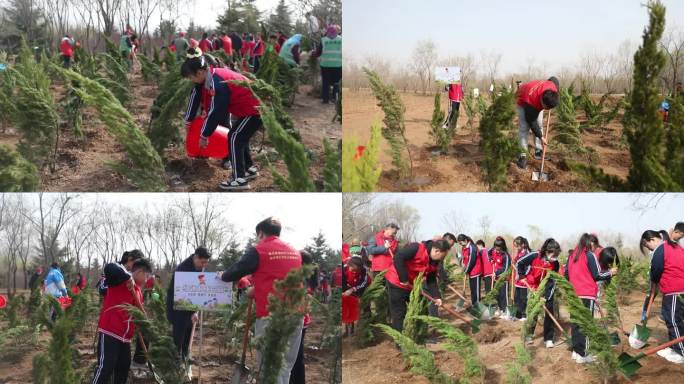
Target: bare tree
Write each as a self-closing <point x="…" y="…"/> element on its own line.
<point x="79" y="233"/>
<point x="485" y="225"/>
<point x="16" y="240"/>
<point x="108" y="11"/>
<point x="53" y="215"/>
<point x="206" y="223"/>
<point x="57" y="14"/>
<point x="673" y="46"/>
<point x="423" y="58"/>
<point x="491" y="63"/>
<point x="356" y="211"/>
<point x="455" y="222"/>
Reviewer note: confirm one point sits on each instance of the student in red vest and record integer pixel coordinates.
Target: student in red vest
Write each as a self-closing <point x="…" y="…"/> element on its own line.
<point x="501" y="262"/>
<point x="115" y="326"/>
<point x="220" y="99"/>
<point x="532" y="269"/>
<point x="583" y="271"/>
<point x="66" y="48"/>
<point x="227" y="45"/>
<point x="455" y="97"/>
<point x="258" y="52"/>
<point x="381" y="247"/>
<point x="408" y="262"/>
<point x="356" y="282"/>
<point x="472" y="266"/>
<point x="487" y="265"/>
<point x="532" y="98"/>
<point x="205" y="44"/>
<point x="667" y="271"/>
<point x="269" y="261"/>
<point x="522" y="247"/>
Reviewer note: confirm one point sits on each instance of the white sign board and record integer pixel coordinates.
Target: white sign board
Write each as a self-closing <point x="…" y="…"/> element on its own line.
<point x="448" y="75"/>
<point x="200" y="291"/>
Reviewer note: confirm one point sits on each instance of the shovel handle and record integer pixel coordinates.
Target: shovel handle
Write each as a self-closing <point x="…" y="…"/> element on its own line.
<point x="546" y="137"/>
<point x="446" y="308"/>
<point x="650" y="302"/>
<point x="245" y="337"/>
<point x="553" y="318"/>
<point x="457" y="292"/>
<point x="663" y="346"/>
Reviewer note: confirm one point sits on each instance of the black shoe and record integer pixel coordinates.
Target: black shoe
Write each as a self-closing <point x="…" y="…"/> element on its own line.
<point x="235" y="185"/>
<point x="538" y="154"/>
<point x="251" y="173"/>
<point x="522" y="162"/>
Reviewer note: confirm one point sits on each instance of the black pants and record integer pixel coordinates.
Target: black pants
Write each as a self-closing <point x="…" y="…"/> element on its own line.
<point x="398" y="299"/>
<point x="453" y="111"/>
<point x="238" y="140"/>
<point x="66" y="61"/>
<point x="579" y="341"/>
<point x="520" y="299"/>
<point x="182" y="330"/>
<point x="298" y="372"/>
<point x="549" y="330"/>
<point x="488" y="280"/>
<point x="502" y="297"/>
<point x="113" y="358"/>
<point x="474" y="290"/>
<point x="330" y="77"/>
<point x="673" y="314"/>
<point x="257" y="63"/>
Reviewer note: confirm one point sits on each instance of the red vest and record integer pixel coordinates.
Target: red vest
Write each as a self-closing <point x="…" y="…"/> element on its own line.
<point x="381" y="262"/>
<point x="477" y="269"/>
<point x="455" y="92"/>
<point x="580" y="275"/>
<point x="276" y="260"/>
<point x="259" y="48"/>
<point x="353" y="278"/>
<point x="345" y="253"/>
<point x="497" y="260"/>
<point x="66" y="48"/>
<point x="531" y="93"/>
<point x="205" y="45"/>
<point x="115" y="320"/>
<point x="242" y="100"/>
<point x="672" y="279"/>
<point x="419" y="263"/>
<point x="227" y="45"/>
<point x="487" y="264"/>
<point x="538" y="270"/>
<point x="337" y="277"/>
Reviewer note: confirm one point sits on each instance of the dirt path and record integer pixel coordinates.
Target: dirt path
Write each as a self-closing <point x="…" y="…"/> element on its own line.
<point x="82" y="164"/>
<point x="383" y="363"/>
<point x="459" y="170"/>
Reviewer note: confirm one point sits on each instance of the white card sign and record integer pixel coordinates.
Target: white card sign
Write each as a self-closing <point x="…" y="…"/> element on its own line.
<point x="448" y="75"/>
<point x="195" y="291"/>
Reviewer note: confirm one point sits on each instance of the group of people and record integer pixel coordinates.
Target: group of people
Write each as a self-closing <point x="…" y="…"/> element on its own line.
<point x="589" y="266"/>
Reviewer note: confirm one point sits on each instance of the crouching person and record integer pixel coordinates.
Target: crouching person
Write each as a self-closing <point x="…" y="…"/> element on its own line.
<point x="270" y="260"/>
<point x="116" y="327"/>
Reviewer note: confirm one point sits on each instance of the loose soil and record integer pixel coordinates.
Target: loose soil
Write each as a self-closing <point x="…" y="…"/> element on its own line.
<point x="459" y="170"/>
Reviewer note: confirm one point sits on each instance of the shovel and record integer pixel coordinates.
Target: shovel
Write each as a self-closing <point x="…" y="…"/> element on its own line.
<point x="138" y="304"/>
<point x="630" y="364"/>
<point x="241" y="372"/>
<point x="614" y="336"/>
<point x="474" y="324"/>
<point x="566" y="337"/>
<point x="461" y="303"/>
<point x="640" y="333"/>
<point x="541" y="176"/>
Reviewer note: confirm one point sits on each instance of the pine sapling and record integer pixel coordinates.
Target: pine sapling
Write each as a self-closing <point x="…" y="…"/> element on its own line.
<point x="16" y="173"/>
<point x="442" y="136"/>
<point x="516" y="371"/>
<point x="360" y="168"/>
<point x="421" y="360"/>
<point x="374" y="307"/>
<point x="567" y="127"/>
<point x="413" y="328"/>
<point x="394" y="129"/>
<point x="496" y="139"/>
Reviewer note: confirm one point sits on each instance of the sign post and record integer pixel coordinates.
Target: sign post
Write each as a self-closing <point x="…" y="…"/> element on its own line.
<point x="199" y="292"/>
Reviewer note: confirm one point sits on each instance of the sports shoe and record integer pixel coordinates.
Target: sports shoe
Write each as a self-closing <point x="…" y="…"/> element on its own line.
<point x="225" y="163"/>
<point x="522" y="162"/>
<point x="671" y="355"/>
<point x="522" y="319"/>
<point x="497" y="313"/>
<point x="251" y="173"/>
<point x="585" y="360"/>
<point x="548" y="343"/>
<point x="445" y="126"/>
<point x="575" y="356"/>
<point x="238" y="184"/>
<point x="537" y="154"/>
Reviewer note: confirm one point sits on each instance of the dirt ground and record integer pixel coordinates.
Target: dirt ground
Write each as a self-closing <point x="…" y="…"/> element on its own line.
<point x="383" y="363"/>
<point x="459" y="170"/>
<point x="217" y="363"/>
<point x="82" y="164"/>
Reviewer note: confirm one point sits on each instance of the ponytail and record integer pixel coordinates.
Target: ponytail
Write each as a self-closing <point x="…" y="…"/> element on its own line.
<point x="583" y="244"/>
<point x="550" y="245"/>
<point x="648" y="235"/>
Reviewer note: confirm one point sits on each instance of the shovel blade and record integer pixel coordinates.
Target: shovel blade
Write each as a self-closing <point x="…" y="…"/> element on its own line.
<point x="628" y="364"/>
<point x="474" y="326"/>
<point x="240" y="375"/>
<point x="539" y="176"/>
<point x="614" y="338"/>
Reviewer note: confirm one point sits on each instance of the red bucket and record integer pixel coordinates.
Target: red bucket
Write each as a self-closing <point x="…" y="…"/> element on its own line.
<point x="218" y="141"/>
<point x="3" y="301"/>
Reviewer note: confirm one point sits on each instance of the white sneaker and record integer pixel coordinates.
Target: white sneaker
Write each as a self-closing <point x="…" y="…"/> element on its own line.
<point x="522" y="319"/>
<point x="585" y="360"/>
<point x="670" y="355"/>
<point x="444" y="126"/>
<point x="497" y="313"/>
<point x="548" y="343"/>
<point x="575" y="356"/>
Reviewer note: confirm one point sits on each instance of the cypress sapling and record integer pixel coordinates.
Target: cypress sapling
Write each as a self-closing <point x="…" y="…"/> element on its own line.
<point x="374" y="306"/>
<point x="16" y="173"/>
<point x="496" y="139"/>
<point x="413" y="328"/>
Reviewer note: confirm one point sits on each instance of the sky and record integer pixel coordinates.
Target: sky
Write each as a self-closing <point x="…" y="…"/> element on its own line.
<point x="559" y="215"/>
<point x="550" y="33"/>
<point x="302" y="215"/>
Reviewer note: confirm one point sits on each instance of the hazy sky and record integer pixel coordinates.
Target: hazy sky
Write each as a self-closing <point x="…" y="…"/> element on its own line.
<point x="560" y="215"/>
<point x="302" y="215"/>
<point x="552" y="33"/>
